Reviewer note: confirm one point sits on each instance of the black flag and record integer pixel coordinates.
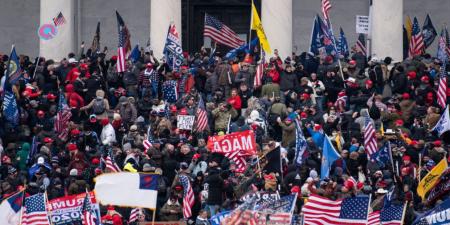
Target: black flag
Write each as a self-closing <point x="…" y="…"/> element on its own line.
<point x="405" y="43"/>
<point x="428" y="32"/>
<point x="95" y="47"/>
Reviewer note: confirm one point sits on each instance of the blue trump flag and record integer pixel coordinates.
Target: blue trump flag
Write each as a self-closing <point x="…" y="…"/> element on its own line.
<point x="135" y="54"/>
<point x="329" y="155"/>
<point x="437" y="216"/>
<point x="172" y="50"/>
<point x="342" y="44"/>
<point x="216" y="219"/>
<point x="382" y="156"/>
<point x="243" y="48"/>
<point x="316" y="34"/>
<point x="10" y="109"/>
<point x="300" y="143"/>
<point x="327" y="38"/>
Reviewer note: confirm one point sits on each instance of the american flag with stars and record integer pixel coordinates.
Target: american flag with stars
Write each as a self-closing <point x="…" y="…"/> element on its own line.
<point x="443" y="57"/>
<point x="416" y="44"/>
<point x="89" y="215"/>
<point x="124" y="43"/>
<point x="220" y="33"/>
<point x="361" y="44"/>
<point x="148" y="143"/>
<point x="201" y="116"/>
<point x="170" y="91"/>
<point x="447" y="41"/>
<point x="59" y="19"/>
<point x="35" y="212"/>
<point x="320" y="210"/>
<point x="188" y="196"/>
<point x="62" y="117"/>
<point x="134" y="214"/>
<point x="392" y="215"/>
<point x="111" y="162"/>
<point x="370" y="141"/>
<point x="260" y="70"/>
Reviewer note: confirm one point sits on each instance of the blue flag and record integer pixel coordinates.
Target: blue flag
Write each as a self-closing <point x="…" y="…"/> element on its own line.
<point x="343" y="45"/>
<point x="135" y="54"/>
<point x="216" y="219"/>
<point x="328" y="157"/>
<point x="10" y="109"/>
<point x="428" y="32"/>
<point x="33" y="150"/>
<point x="316" y="35"/>
<point x="14" y="71"/>
<point x="300" y="143"/>
<point x="437" y="216"/>
<point x="243" y="48"/>
<point x="172" y="50"/>
<point x="327" y="38"/>
<point x="382" y="156"/>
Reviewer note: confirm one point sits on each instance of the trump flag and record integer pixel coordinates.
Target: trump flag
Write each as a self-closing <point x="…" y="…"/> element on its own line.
<point x="127" y="189"/>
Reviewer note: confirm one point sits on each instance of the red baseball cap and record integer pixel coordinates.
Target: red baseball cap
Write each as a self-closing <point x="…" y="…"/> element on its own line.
<point x="51" y="96"/>
<point x="48" y="140"/>
<point x="74" y="132"/>
<point x="72" y="147"/>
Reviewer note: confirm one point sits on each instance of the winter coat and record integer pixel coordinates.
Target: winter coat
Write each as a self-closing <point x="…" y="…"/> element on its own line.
<point x="221" y="118"/>
<point x="288" y="81"/>
<point x="166" y="215"/>
<point x="235" y="102"/>
<point x="215" y="188"/>
<point x="288" y="134"/>
<point x="244" y="77"/>
<point x="108" y="134"/>
<point x="270" y="90"/>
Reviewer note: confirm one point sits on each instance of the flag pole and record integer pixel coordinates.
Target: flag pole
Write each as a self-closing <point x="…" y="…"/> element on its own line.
<point x="251" y="23"/>
<point x="368" y="208"/>
<point x="404" y="212"/>
<point x="23" y="202"/>
<point x="48" y="211"/>
<point x="153" y="216"/>
<point x="35" y="66"/>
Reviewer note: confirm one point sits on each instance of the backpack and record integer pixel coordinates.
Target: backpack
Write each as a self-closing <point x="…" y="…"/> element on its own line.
<point x="98" y="107"/>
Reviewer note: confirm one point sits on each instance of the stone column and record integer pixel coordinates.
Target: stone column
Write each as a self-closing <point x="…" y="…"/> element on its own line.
<point x="162" y="13"/>
<point x="64" y="42"/>
<point x="387" y="29"/>
<point x="276" y="18"/>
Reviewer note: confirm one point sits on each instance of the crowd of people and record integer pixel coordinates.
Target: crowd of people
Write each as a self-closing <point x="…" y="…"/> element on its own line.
<point x="119" y="111"/>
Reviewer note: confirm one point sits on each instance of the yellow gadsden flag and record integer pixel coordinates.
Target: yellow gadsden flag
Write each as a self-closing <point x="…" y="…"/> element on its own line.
<point x="408" y="27"/>
<point x="257" y="25"/>
<point x="431" y="178"/>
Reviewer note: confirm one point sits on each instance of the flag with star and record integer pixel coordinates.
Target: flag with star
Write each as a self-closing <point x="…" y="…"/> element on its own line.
<point x="35" y="212"/>
<point x="170" y="91"/>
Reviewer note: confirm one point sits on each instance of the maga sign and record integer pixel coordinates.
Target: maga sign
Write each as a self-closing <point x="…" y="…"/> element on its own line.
<point x="243" y="141"/>
<point x="67" y="210"/>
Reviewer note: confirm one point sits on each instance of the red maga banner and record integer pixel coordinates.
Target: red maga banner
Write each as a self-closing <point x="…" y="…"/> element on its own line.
<point x="243" y="141"/>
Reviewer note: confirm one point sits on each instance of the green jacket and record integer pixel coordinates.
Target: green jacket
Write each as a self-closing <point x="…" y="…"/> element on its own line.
<point x="221" y="118"/>
<point x="22" y="156"/>
<point x="271" y="89"/>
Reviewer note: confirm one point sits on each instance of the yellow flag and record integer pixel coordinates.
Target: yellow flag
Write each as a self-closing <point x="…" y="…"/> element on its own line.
<point x="257" y="25"/>
<point x="382" y="129"/>
<point x="408" y="27"/>
<point x="431" y="178"/>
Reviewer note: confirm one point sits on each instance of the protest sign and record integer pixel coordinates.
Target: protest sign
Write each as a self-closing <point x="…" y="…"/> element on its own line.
<point x="185" y="122"/>
<point x="362" y="24"/>
<point x="67" y="210"/>
<point x="243" y="141"/>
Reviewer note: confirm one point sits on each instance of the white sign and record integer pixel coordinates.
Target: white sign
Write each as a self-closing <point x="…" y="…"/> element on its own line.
<point x="185" y="122"/>
<point x="362" y="24"/>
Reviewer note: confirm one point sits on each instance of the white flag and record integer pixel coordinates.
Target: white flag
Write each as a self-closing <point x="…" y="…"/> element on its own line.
<point x="443" y="124"/>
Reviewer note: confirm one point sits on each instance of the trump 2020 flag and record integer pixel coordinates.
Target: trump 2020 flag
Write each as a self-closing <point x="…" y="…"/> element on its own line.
<point x="172" y="50"/>
<point x="437" y="216"/>
<point x="443" y="124"/>
<point x="10" y="209"/>
<point x="127" y="189"/>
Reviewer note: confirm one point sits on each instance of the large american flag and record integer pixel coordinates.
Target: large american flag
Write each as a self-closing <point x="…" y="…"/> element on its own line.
<point x="391" y="215"/>
<point x="319" y="210"/>
<point x="370" y="141"/>
<point x="239" y="159"/>
<point x="35" y="212"/>
<point x="361" y="44"/>
<point x="220" y="33"/>
<point x="260" y="71"/>
<point x="201" y="116"/>
<point x="188" y="196"/>
<point x="416" y="44"/>
<point x="89" y="215"/>
<point x="326" y="6"/>
<point x="443" y="57"/>
<point x="62" y="117"/>
<point x="134" y="214"/>
<point x="111" y="162"/>
<point x="59" y="19"/>
<point x="124" y="43"/>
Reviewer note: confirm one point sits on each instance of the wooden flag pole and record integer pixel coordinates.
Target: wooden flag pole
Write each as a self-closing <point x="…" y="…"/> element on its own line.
<point x="48" y="211"/>
<point x="23" y="204"/>
<point x="251" y="23"/>
<point x="153" y="216"/>
<point x="404" y="212"/>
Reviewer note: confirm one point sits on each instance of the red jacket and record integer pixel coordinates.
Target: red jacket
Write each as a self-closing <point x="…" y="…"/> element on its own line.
<point x="72" y="75"/>
<point x="235" y="102"/>
<point x="74" y="100"/>
<point x="115" y="219"/>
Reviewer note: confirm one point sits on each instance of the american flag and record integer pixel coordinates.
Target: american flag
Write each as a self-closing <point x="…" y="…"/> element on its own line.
<point x="148" y="143"/>
<point x="260" y="70"/>
<point x="447" y="41"/>
<point x="188" y="196"/>
<point x="220" y="33"/>
<point x="443" y="57"/>
<point x="59" y="19"/>
<point x="111" y="162"/>
<point x="134" y="214"/>
<point x="319" y="210"/>
<point x="170" y="91"/>
<point x="89" y="215"/>
<point x="124" y="43"/>
<point x="239" y="159"/>
<point x="35" y="212"/>
<point x="370" y="141"/>
<point x="416" y="44"/>
<point x="391" y="215"/>
<point x="326" y="6"/>
<point x="361" y="44"/>
<point x="201" y="116"/>
<point x="244" y="214"/>
<point x="62" y="117"/>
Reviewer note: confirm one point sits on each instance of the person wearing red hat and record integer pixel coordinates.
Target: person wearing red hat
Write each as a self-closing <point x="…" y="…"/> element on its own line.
<point x="235" y="100"/>
<point x="244" y="75"/>
<point x="73" y="98"/>
<point x="341" y="102"/>
<point x="185" y="82"/>
<point x="148" y="80"/>
<point x="73" y="74"/>
<point x="408" y="168"/>
<point x="112" y="217"/>
<point x="108" y="135"/>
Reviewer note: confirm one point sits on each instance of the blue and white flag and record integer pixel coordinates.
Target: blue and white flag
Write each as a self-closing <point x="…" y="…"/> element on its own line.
<point x="10" y="209"/>
<point x="14" y="71"/>
<point x="170" y="91"/>
<point x="300" y="143"/>
<point x="10" y="109"/>
<point x="316" y="35"/>
<point x="216" y="219"/>
<point x="243" y="48"/>
<point x="382" y="156"/>
<point x="342" y="44"/>
<point x="135" y="54"/>
<point x="437" y="216"/>
<point x="172" y="50"/>
<point x="329" y="156"/>
<point x="443" y="124"/>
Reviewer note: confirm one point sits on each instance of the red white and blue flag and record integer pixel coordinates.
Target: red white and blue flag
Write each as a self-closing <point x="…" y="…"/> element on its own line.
<point x="260" y="70"/>
<point x="416" y="44"/>
<point x="370" y="141"/>
<point x="220" y="33"/>
<point x="59" y="19"/>
<point x="88" y="212"/>
<point x="62" y="117"/>
<point x="443" y="57"/>
<point x="188" y="196"/>
<point x="124" y="44"/>
<point x="111" y="162"/>
<point x="390" y="215"/>
<point x="201" y="116"/>
<point x="326" y="6"/>
<point x="35" y="212"/>
<point x="173" y="50"/>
